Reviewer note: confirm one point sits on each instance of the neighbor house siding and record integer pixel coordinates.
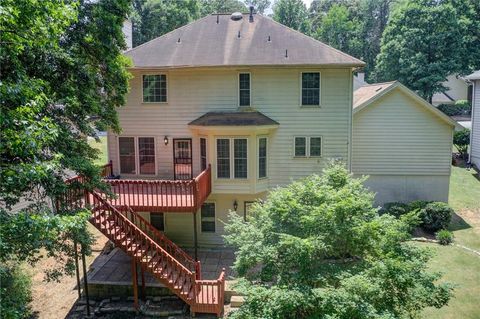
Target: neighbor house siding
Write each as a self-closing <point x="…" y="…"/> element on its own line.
<point x="475" y="135"/>
<point x="274" y="92"/>
<point x="404" y="148"/>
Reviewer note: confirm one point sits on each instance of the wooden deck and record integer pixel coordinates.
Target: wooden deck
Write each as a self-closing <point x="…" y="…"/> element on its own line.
<point x="161" y="195"/>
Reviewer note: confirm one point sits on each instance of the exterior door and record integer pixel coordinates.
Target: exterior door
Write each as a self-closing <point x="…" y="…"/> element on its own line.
<point x="182" y="158"/>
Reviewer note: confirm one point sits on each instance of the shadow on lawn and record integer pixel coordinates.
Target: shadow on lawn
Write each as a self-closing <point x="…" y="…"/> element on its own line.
<point x="458" y="223"/>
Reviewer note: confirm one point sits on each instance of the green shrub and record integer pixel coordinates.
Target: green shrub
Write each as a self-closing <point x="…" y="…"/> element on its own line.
<point x="396" y="209"/>
<point x="444" y="237"/>
<point x="15" y="292"/>
<point x="418" y="204"/>
<point x="436" y="216"/>
<point x="461" y="140"/>
<point x="461" y="107"/>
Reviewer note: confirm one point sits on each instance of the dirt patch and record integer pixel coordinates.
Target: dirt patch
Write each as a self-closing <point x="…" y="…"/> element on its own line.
<point x="55" y="299"/>
<point x="471" y="216"/>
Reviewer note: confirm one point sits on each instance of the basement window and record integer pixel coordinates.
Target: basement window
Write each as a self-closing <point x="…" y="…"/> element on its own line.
<point x="207" y="215"/>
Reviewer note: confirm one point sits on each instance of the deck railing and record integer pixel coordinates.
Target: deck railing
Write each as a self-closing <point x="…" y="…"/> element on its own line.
<point x="107" y="170"/>
<point x="162" y="195"/>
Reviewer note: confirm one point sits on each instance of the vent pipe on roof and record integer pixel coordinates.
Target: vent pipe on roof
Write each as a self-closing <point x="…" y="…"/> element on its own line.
<point x="238" y="34"/>
<point x="218" y="18"/>
<point x="286" y="53"/>
<point x="251" y="13"/>
<point x="269" y="39"/>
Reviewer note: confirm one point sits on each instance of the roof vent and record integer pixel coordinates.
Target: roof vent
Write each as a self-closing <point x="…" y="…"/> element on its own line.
<point x="251" y="13"/>
<point x="236" y="16"/>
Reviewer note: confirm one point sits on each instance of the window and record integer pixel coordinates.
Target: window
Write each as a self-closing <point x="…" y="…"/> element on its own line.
<point x="203" y="153"/>
<point x="146" y="151"/>
<point x="315" y="146"/>
<point x="208" y="217"/>
<point x="308" y="146"/>
<point x="155" y="88"/>
<point x="262" y="157"/>
<point x="158" y="221"/>
<point x="232" y="153"/>
<point x="311" y="88"/>
<point x="127" y="155"/>
<point x="240" y="158"/>
<point x="300" y="146"/>
<point x="223" y="158"/>
<point x="244" y="89"/>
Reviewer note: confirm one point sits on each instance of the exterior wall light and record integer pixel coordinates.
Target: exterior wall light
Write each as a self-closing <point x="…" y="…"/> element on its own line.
<point x="235" y="205"/>
<point x="165" y="140"/>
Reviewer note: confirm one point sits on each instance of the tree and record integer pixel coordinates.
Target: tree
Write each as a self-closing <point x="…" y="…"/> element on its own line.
<point x="318" y="249"/>
<point x="340" y="30"/>
<point x="222" y="6"/>
<point x="259" y="5"/>
<point x="461" y="140"/>
<point x="63" y="76"/>
<point x="292" y="13"/>
<point x="421" y="46"/>
<point x="153" y="18"/>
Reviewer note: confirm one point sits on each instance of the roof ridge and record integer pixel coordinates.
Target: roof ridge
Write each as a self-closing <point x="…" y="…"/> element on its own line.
<point x="379" y="83"/>
<point x="310" y="38"/>
<point x="163" y="35"/>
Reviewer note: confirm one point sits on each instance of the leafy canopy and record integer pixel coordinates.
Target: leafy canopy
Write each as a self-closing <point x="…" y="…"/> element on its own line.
<point x="63" y="76"/>
<point x="318" y="249"/>
<point x="292" y="13"/>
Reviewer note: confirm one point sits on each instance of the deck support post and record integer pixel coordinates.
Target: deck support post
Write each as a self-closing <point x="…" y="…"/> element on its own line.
<point x="85" y="282"/>
<point x="135" y="283"/>
<point x="144" y="292"/>
<point x="195" y="239"/>
<point x="77" y="269"/>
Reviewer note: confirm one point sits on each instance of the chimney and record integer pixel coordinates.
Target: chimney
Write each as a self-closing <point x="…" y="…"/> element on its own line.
<point x="251" y="13"/>
<point x="127" y="33"/>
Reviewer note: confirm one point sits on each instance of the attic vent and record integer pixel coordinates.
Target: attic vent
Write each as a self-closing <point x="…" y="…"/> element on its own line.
<point x="236" y="16"/>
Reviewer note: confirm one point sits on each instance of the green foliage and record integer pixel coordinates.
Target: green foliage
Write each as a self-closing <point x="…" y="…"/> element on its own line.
<point x="292" y="13"/>
<point x="436" y="216"/>
<point x="421" y="46"/>
<point x="396" y="209"/>
<point x="461" y="107"/>
<point x="15" y="292"/>
<point x="444" y="237"/>
<point x="318" y="248"/>
<point x="63" y="76"/>
<point x="461" y="140"/>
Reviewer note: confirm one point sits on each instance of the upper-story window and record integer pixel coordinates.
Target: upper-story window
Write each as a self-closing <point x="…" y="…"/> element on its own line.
<point x="244" y="89"/>
<point x="155" y="88"/>
<point x="308" y="146"/>
<point x="127" y="155"/>
<point x="146" y="154"/>
<point x="203" y="153"/>
<point x="311" y="88"/>
<point x="232" y="156"/>
<point x="262" y="157"/>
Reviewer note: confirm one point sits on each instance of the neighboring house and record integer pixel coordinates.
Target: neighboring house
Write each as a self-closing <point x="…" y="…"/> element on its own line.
<point x="457" y="90"/>
<point x="402" y="142"/>
<point x="475" y="126"/>
<point x="359" y="80"/>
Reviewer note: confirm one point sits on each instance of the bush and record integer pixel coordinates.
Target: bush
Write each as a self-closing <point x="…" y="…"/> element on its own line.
<point x="15" y="292"/>
<point x="461" y="140"/>
<point x="444" y="237"/>
<point x="436" y="216"/>
<point x="396" y="209"/>
<point x="418" y="204"/>
<point x="461" y="107"/>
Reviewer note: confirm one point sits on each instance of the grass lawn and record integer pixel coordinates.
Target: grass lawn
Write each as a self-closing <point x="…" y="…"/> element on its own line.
<point x="102" y="147"/>
<point x="458" y="265"/>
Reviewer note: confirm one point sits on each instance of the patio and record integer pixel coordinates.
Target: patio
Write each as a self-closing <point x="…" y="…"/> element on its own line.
<point x="110" y="274"/>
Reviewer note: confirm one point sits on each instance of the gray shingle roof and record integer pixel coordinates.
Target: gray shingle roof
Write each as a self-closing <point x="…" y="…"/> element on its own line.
<point x="233" y="119"/>
<point x="474" y="76"/>
<point x="207" y="43"/>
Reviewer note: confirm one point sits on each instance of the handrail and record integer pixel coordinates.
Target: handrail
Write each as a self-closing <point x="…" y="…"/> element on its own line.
<point x="170" y="246"/>
<point x="203" y="186"/>
<point x="107" y="169"/>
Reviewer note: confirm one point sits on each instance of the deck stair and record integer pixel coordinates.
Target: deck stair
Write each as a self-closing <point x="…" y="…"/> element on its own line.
<point x="154" y="252"/>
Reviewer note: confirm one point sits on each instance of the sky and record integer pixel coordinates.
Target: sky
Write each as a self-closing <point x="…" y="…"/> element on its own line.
<point x="307" y="3"/>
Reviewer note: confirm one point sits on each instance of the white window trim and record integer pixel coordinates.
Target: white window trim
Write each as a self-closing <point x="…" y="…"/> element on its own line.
<point x="301" y="89"/>
<point x="238" y="91"/>
<point x="307" y="145"/>
<point x="215" y="218"/>
<point x="137" y="155"/>
<point x="232" y="160"/>
<point x="166" y="78"/>
<point x="200" y="149"/>
<point x="258" y="157"/>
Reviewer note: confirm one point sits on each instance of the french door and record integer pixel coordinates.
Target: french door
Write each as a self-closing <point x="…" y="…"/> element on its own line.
<point x="182" y="158"/>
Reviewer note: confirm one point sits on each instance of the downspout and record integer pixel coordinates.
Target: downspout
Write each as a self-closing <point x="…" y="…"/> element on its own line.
<point x="474" y="93"/>
<point x="350" y="123"/>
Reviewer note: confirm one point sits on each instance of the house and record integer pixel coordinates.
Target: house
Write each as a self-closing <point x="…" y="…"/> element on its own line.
<point x="226" y="108"/>
<point x="457" y="89"/>
<point x="402" y="142"/>
<point x="475" y="129"/>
